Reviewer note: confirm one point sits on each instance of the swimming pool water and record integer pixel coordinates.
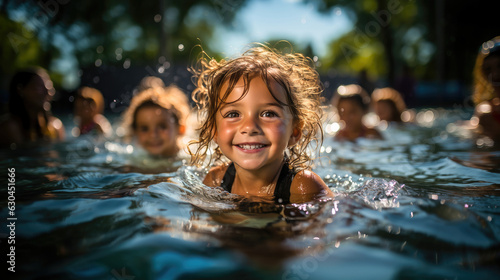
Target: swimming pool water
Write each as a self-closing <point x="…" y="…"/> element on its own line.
<point x="422" y="204"/>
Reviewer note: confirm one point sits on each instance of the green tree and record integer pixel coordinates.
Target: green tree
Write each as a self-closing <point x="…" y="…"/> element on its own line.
<point x="438" y="39"/>
<point x="378" y="27"/>
<point x="111" y="32"/>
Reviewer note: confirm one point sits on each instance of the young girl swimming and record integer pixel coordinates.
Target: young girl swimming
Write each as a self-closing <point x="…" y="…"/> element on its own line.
<point x="262" y="110"/>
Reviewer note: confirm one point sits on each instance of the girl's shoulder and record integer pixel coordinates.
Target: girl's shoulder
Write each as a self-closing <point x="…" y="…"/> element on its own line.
<point x="307" y="186"/>
<point x="215" y="175"/>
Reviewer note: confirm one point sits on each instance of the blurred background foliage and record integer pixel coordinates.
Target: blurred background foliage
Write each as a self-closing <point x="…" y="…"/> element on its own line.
<point x="438" y="40"/>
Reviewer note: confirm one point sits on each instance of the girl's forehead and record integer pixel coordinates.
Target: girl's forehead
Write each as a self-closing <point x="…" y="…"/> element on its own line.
<point x="153" y="108"/>
<point x="253" y="85"/>
<point x="349" y="102"/>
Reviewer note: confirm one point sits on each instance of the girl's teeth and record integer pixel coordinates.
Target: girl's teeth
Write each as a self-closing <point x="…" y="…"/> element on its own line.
<point x="251" y="147"/>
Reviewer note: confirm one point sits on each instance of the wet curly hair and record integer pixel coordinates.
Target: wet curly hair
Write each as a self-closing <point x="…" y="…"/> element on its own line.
<point x="294" y="72"/>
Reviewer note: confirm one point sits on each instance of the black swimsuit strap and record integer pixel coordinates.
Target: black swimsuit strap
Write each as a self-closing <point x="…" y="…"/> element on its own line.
<point x="228" y="179"/>
<point x="282" y="190"/>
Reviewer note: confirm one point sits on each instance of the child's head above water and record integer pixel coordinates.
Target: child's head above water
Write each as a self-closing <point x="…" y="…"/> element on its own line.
<point x="279" y="93"/>
<point x="156" y="118"/>
<point x="88" y="103"/>
<point x="88" y="108"/>
<point x="351" y="102"/>
<point x="388" y="104"/>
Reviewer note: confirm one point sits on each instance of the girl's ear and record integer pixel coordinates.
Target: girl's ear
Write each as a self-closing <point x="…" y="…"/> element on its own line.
<point x="182" y="129"/>
<point x="296" y="134"/>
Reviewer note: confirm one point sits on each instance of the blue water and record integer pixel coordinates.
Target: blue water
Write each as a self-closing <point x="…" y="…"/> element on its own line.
<point x="423" y="204"/>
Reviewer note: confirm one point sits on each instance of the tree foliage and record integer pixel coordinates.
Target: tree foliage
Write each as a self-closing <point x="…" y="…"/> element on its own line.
<point x="428" y="36"/>
<point x="111" y="32"/>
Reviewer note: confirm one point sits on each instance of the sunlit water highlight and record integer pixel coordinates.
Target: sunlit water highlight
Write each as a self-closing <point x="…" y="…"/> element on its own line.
<point x="423" y="204"/>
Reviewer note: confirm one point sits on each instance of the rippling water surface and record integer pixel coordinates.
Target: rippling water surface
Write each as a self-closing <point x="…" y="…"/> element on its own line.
<point x="423" y="204"/>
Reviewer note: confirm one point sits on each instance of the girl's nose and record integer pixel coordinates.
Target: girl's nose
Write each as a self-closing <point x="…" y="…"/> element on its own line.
<point x="155" y="132"/>
<point x="250" y="126"/>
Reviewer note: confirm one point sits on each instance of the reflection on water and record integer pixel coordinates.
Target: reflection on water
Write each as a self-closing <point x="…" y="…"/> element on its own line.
<point x="421" y="204"/>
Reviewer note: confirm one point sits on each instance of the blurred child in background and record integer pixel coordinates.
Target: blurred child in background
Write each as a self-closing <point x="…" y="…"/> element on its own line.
<point x="351" y="103"/>
<point x="88" y="110"/>
<point x="388" y="104"/>
<point x="156" y="119"/>
<point x="30" y="118"/>
<point x="487" y="89"/>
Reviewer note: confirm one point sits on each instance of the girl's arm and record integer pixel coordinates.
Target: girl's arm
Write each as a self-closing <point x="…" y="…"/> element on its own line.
<point x="307" y="186"/>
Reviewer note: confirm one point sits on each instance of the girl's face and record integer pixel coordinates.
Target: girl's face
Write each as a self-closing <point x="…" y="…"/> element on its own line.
<point x="385" y="110"/>
<point x="157" y="131"/>
<point x="34" y="94"/>
<point x="254" y="131"/>
<point x="85" y="108"/>
<point x="351" y="113"/>
<point x="491" y="70"/>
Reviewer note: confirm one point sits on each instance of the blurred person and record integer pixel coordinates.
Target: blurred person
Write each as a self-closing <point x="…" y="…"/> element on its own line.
<point x="30" y="118"/>
<point x="156" y="119"/>
<point x="88" y="110"/>
<point x="388" y="104"/>
<point x="352" y="103"/>
<point x="486" y="94"/>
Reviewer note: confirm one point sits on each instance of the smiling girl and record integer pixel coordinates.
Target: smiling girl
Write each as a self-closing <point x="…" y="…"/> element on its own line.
<point x="262" y="111"/>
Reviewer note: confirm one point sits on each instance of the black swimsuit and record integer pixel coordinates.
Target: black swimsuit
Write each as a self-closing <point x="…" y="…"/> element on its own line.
<point x="282" y="190"/>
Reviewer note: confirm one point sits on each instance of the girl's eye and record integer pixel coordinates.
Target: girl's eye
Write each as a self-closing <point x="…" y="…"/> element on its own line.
<point x="231" y="114"/>
<point x="143" y="129"/>
<point x="269" y="114"/>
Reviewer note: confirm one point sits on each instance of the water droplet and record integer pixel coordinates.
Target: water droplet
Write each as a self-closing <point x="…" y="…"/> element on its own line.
<point x="126" y="64"/>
